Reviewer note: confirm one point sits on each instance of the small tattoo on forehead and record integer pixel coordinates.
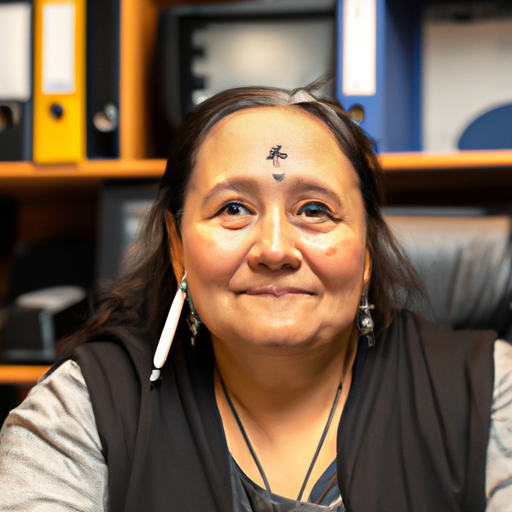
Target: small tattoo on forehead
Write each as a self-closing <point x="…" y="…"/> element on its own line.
<point x="275" y="155"/>
<point x="278" y="177"/>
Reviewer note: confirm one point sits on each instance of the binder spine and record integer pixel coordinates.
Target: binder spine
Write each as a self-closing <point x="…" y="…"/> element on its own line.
<point x="103" y="60"/>
<point x="381" y="84"/>
<point x="15" y="80"/>
<point x="59" y="81"/>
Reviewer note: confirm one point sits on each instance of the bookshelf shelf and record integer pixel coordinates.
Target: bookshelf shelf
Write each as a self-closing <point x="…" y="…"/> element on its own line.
<point x="89" y="169"/>
<point x="154" y="167"/>
<point x="21" y="375"/>
<point x="465" y="178"/>
<point x="447" y="161"/>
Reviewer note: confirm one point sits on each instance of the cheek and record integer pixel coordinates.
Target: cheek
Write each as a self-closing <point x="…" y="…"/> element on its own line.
<point x="206" y="256"/>
<point x="338" y="261"/>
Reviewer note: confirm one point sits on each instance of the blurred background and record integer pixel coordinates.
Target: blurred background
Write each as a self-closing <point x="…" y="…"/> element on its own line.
<point x="92" y="91"/>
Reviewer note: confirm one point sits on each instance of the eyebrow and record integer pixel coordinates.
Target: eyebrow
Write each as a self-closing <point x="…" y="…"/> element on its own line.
<point x="297" y="185"/>
<point x="300" y="185"/>
<point x="227" y="185"/>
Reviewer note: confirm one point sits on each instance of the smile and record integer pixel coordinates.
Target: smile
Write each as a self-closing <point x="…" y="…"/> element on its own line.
<point x="277" y="292"/>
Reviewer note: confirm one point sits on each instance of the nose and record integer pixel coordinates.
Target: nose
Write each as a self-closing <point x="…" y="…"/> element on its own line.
<point x="275" y="244"/>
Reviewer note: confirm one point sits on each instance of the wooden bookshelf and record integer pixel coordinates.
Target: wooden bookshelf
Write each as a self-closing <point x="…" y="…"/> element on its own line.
<point x="453" y="160"/>
<point x="18" y="176"/>
<point x="21" y="375"/>
<point x="463" y="178"/>
<point x="62" y="200"/>
<point x="154" y="167"/>
<point x="466" y="169"/>
<point x="88" y="169"/>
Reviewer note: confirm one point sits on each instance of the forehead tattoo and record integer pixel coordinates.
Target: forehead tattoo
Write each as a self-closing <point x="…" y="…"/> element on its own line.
<point x="275" y="155"/>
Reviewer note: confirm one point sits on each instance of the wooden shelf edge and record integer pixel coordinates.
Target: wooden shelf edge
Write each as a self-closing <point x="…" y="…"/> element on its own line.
<point x="21" y="374"/>
<point x="98" y="169"/>
<point x="446" y="161"/>
<point x="154" y="168"/>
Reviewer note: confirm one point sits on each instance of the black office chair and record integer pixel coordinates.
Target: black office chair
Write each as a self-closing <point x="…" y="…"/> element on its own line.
<point x="466" y="266"/>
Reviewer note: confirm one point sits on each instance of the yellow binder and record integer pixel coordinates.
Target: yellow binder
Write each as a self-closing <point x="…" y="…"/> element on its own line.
<point x="59" y="81"/>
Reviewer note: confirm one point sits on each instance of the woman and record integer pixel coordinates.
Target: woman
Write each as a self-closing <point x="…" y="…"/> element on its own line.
<point x="287" y="390"/>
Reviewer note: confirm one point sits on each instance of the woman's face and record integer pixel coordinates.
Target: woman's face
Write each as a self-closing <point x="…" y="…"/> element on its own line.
<point x="274" y="232"/>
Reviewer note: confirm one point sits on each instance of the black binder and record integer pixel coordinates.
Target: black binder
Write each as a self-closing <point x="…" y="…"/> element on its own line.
<point x="15" y="80"/>
<point x="103" y="42"/>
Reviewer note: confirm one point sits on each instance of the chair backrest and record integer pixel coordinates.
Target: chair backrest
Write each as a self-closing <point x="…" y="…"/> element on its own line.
<point x="466" y="266"/>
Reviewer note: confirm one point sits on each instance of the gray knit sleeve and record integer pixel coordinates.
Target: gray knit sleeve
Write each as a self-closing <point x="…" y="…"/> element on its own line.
<point x="499" y="449"/>
<point x="50" y="451"/>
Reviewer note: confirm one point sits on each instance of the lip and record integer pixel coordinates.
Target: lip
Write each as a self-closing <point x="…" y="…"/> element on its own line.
<point x="276" y="291"/>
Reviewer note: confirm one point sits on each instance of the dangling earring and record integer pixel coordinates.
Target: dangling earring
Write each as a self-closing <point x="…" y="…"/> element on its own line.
<point x="364" y="320"/>
<point x="169" y="330"/>
<point x="193" y="320"/>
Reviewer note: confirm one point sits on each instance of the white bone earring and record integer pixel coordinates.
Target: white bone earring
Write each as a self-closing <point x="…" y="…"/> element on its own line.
<point x="169" y="330"/>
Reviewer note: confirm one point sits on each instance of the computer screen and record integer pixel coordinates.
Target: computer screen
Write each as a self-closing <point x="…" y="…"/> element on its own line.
<point x="122" y="208"/>
<point x="206" y="49"/>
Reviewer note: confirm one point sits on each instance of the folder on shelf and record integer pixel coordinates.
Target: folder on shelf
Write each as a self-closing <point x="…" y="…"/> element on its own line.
<point x="15" y="80"/>
<point x="59" y="81"/>
<point x="103" y="59"/>
<point x="491" y="130"/>
<point x="378" y="72"/>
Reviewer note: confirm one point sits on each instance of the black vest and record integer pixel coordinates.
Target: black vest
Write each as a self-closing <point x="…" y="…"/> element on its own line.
<point x="413" y="435"/>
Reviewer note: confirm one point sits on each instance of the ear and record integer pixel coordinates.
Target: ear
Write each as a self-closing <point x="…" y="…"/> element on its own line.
<point x="175" y="246"/>
<point x="367" y="268"/>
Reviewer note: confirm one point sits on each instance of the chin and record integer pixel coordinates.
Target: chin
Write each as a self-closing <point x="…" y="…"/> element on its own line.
<point x="282" y="336"/>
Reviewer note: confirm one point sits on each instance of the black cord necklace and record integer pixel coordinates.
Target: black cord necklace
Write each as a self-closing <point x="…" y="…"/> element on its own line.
<point x="253" y="453"/>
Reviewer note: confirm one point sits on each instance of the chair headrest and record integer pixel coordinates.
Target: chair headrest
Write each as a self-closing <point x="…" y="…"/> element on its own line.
<point x="466" y="266"/>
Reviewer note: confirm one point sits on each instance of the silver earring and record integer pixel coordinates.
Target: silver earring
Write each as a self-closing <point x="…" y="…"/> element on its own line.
<point x="169" y="330"/>
<point x="364" y="320"/>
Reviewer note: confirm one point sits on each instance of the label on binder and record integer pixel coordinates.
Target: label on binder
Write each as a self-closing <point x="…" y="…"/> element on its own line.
<point x="15" y="60"/>
<point x="359" y="47"/>
<point x="59" y="48"/>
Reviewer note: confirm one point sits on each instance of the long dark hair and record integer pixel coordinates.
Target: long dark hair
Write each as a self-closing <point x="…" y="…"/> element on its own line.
<point x="140" y="299"/>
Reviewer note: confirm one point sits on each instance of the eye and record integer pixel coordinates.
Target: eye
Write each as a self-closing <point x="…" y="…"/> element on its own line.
<point x="235" y="210"/>
<point x="234" y="215"/>
<point x="315" y="211"/>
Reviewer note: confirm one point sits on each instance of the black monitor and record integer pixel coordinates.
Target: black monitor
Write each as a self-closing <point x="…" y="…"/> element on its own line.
<point x="204" y="49"/>
<point x="122" y="207"/>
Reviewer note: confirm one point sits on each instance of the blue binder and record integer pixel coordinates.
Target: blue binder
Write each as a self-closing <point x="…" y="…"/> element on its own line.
<point x="378" y="69"/>
<point x="15" y="80"/>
